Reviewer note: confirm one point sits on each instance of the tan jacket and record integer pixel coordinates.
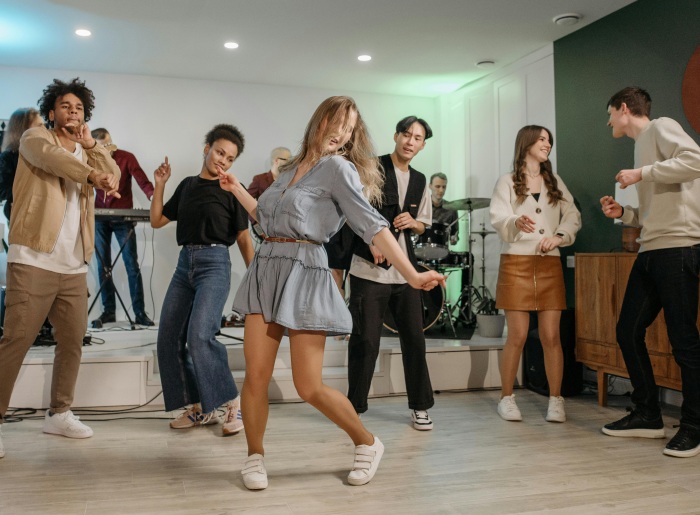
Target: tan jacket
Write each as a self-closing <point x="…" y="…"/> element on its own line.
<point x="40" y="194"/>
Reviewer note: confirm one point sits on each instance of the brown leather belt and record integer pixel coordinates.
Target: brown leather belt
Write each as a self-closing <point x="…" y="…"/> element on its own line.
<point x="289" y="240"/>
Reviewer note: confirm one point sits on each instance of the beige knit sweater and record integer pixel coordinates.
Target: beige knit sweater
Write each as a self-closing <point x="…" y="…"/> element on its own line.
<point x="562" y="219"/>
<point x="669" y="192"/>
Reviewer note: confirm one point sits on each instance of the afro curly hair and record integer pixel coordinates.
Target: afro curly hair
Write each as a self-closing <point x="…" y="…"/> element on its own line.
<point x="57" y="89"/>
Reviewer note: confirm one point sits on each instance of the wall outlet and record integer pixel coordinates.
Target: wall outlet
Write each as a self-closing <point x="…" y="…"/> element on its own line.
<point x="570" y="261"/>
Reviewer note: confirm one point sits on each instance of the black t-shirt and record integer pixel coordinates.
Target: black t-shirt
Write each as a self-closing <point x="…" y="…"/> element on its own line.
<point x="205" y="213"/>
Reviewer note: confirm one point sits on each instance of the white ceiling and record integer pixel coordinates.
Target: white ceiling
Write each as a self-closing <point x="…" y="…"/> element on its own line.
<point x="419" y="47"/>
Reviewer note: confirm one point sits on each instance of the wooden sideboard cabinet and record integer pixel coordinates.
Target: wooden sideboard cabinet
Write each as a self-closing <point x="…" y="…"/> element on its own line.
<point x="601" y="280"/>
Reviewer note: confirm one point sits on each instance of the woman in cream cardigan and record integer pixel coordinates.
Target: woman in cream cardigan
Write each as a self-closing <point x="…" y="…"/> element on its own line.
<point x="534" y="214"/>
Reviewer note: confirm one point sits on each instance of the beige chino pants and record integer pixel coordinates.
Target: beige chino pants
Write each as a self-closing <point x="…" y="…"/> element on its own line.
<point x="33" y="294"/>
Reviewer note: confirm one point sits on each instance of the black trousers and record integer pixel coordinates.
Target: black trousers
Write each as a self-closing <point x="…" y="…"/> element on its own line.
<point x="368" y="303"/>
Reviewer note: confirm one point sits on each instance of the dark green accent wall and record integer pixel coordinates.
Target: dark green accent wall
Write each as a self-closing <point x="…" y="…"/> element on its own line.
<point x="645" y="44"/>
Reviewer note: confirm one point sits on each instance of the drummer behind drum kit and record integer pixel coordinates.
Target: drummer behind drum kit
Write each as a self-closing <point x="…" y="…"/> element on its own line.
<point x="433" y="253"/>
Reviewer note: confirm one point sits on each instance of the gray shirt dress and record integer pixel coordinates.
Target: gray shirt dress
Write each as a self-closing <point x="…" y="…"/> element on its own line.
<point x="290" y="283"/>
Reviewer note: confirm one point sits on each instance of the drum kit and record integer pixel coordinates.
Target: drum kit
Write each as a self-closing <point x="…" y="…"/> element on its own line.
<point x="432" y="250"/>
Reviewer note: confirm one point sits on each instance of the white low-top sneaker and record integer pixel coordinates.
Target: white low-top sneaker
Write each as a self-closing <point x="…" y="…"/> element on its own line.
<point x="254" y="473"/>
<point x="421" y="420"/>
<point x="508" y="410"/>
<point x="555" y="411"/>
<point x="367" y="459"/>
<point x="65" y="424"/>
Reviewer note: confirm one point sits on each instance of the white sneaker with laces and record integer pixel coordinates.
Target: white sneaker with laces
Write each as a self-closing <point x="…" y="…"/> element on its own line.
<point x="421" y="420"/>
<point x="193" y="416"/>
<point x="367" y="459"/>
<point x="2" y="447"/>
<point x="65" y="424"/>
<point x="508" y="410"/>
<point x="233" y="420"/>
<point x="254" y="473"/>
<point x="555" y="411"/>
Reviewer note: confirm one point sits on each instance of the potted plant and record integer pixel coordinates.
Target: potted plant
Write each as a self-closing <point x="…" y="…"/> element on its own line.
<point x="489" y="320"/>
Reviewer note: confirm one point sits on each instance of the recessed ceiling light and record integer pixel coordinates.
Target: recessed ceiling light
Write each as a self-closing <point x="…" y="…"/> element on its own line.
<point x="83" y="33"/>
<point x="231" y="45"/>
<point x="364" y="57"/>
<point x="485" y="64"/>
<point x="567" y="19"/>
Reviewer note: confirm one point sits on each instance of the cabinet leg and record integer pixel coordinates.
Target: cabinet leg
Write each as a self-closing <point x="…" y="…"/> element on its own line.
<point x="602" y="388"/>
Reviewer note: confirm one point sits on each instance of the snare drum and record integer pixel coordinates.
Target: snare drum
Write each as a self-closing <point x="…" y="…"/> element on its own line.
<point x="458" y="259"/>
<point x="432" y="244"/>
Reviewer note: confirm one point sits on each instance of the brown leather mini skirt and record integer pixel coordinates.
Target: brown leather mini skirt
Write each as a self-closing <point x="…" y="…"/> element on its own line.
<point x="530" y="283"/>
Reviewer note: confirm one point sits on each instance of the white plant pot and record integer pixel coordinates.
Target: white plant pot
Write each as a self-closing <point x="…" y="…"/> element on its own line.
<point x="491" y="326"/>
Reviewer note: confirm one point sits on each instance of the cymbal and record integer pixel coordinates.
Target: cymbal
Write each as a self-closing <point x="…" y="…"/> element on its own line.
<point x="467" y="204"/>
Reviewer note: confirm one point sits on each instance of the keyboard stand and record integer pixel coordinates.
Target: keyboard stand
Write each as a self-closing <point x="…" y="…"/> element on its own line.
<point x="108" y="276"/>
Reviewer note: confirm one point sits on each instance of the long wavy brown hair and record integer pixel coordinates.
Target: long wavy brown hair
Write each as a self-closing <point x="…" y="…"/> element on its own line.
<point x="526" y="138"/>
<point x="359" y="149"/>
<point x="20" y="121"/>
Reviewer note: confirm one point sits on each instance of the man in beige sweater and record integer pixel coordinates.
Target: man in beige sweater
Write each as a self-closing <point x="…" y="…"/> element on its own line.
<point x="665" y="273"/>
<point x="51" y="241"/>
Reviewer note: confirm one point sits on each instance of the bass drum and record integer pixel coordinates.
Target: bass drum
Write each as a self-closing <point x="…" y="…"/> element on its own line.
<point x="433" y="302"/>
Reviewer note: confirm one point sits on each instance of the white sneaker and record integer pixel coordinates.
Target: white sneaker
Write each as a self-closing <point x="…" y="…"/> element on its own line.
<point x="555" y="411"/>
<point x="2" y="447"/>
<point x="367" y="459"/>
<point x="193" y="416"/>
<point x="254" y="473"/>
<point x="65" y="424"/>
<point x="508" y="410"/>
<point x="421" y="420"/>
<point x="233" y="421"/>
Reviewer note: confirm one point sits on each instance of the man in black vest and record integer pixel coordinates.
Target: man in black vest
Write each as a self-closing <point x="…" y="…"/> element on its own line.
<point x="375" y="285"/>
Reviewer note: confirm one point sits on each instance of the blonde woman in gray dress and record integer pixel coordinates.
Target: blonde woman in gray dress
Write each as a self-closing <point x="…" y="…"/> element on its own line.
<point x="289" y="285"/>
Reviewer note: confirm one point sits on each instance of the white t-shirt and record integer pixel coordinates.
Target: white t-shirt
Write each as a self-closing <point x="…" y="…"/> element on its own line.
<point x="364" y="269"/>
<point x="67" y="257"/>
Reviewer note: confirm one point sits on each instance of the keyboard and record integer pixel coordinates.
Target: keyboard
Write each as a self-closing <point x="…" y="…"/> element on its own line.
<point x="123" y="215"/>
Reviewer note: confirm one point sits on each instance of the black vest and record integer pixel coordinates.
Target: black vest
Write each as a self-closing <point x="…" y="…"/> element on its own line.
<point x="391" y="209"/>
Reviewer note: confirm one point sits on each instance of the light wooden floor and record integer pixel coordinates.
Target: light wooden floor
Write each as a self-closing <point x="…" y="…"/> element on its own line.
<point x="472" y="462"/>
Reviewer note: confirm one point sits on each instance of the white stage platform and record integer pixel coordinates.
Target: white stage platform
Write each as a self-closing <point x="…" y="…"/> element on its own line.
<point x="123" y="371"/>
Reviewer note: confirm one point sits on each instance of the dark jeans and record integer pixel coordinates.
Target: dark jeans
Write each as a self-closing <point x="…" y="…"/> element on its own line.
<point x="103" y="253"/>
<point x="668" y="279"/>
<point x="193" y="363"/>
<point x="368" y="303"/>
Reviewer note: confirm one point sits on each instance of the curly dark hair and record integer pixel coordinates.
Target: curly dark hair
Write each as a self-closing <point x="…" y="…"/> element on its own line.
<point x="58" y="88"/>
<point x="227" y="132"/>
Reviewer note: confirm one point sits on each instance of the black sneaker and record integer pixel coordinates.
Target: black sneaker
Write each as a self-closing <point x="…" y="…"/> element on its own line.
<point x="104" y="318"/>
<point x="685" y="444"/>
<point x="635" y="425"/>
<point x="144" y="320"/>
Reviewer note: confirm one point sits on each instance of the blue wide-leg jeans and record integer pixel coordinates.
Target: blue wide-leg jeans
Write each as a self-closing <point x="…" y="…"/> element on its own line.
<point x="193" y="363"/>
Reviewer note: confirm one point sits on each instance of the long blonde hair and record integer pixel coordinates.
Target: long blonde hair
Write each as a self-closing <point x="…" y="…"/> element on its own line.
<point x="359" y="150"/>
<point x="20" y="121"/>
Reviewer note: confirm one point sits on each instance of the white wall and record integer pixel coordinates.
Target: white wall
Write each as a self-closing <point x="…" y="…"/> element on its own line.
<point x="478" y="124"/>
<point x="155" y="116"/>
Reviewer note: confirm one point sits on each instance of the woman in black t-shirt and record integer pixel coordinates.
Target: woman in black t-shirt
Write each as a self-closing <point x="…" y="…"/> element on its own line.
<point x="194" y="369"/>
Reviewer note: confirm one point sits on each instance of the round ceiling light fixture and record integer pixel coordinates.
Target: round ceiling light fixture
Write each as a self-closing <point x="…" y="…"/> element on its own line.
<point x="83" y="33"/>
<point x="231" y="45"/>
<point x="485" y="64"/>
<point x="364" y="57"/>
<point x="567" y="19"/>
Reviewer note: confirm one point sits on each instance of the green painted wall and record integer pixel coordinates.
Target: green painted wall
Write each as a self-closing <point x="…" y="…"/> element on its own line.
<point x="646" y="44"/>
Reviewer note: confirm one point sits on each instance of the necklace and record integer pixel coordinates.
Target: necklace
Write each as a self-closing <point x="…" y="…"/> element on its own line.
<point x="533" y="176"/>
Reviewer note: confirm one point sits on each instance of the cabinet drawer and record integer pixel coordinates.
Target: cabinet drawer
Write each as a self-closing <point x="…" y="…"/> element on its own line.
<point x="596" y="353"/>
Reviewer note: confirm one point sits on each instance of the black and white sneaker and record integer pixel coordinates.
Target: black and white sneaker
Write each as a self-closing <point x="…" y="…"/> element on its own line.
<point x="685" y="444"/>
<point x="421" y="420"/>
<point x="634" y="425"/>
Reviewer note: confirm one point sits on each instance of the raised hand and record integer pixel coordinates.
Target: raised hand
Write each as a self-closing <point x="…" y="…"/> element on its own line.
<point x="162" y="173"/>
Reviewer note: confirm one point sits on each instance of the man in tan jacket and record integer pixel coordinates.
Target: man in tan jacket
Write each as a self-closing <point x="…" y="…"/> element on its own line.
<point x="51" y="241"/>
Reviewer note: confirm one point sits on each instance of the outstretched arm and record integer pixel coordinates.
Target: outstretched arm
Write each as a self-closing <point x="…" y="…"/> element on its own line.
<point x="230" y="182"/>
